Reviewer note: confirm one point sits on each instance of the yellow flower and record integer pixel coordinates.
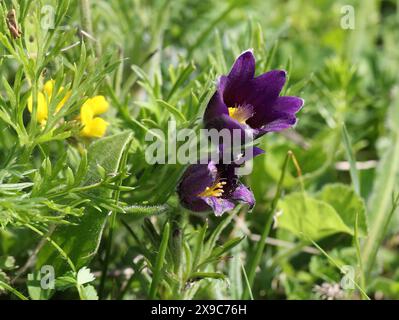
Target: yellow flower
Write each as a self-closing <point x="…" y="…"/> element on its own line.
<point x="42" y="110"/>
<point x="94" y="126"/>
<point x="43" y="99"/>
<point x="49" y="87"/>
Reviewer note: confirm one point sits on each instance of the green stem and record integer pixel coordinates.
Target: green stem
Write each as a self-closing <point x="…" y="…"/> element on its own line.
<point x="111" y="228"/>
<point x="378" y="239"/>
<point x="382" y="216"/>
<point x="55" y="245"/>
<point x="248" y="286"/>
<point x="358" y="254"/>
<point x="85" y="16"/>
<point x="107" y="256"/>
<point x="12" y="290"/>
<point x="337" y="265"/>
<point x="87" y="26"/>
<point x="61" y="251"/>
<point x="262" y="242"/>
<point x="177" y="247"/>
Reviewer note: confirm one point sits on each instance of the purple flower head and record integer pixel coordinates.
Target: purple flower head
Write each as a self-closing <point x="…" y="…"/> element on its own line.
<point x="214" y="186"/>
<point x="243" y="101"/>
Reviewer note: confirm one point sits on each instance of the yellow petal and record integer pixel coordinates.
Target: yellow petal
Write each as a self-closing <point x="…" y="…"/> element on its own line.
<point x="97" y="104"/>
<point x="63" y="101"/>
<point x="95" y="128"/>
<point x="48" y="88"/>
<point x="86" y="114"/>
<point x="42" y="109"/>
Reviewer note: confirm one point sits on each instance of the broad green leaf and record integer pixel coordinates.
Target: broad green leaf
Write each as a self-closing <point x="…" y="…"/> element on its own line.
<point x="304" y="215"/>
<point x="107" y="153"/>
<point x="346" y="203"/>
<point x="80" y="242"/>
<point x="35" y="290"/>
<point x="89" y="293"/>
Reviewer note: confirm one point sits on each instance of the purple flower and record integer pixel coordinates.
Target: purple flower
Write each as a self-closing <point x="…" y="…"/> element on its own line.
<point x="243" y="101"/>
<point x="214" y="186"/>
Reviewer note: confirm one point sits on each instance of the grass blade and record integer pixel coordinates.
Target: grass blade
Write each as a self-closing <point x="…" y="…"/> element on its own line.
<point x="159" y="261"/>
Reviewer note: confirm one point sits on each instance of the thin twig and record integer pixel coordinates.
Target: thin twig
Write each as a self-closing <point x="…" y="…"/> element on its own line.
<point x="32" y="257"/>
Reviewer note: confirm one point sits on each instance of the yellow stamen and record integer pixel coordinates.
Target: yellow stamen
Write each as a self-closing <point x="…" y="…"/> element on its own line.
<point x="216" y="190"/>
<point x="240" y="113"/>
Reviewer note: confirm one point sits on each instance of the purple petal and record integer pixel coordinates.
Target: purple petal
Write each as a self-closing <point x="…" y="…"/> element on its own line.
<point x="247" y="155"/>
<point x="195" y="204"/>
<point x="243" y="69"/>
<point x="219" y="205"/>
<point x="263" y="93"/>
<point x="288" y="104"/>
<point x="196" y="178"/>
<point x="243" y="194"/>
<point x="216" y="106"/>
<point x="255" y="152"/>
<point x="279" y="116"/>
<point x="267" y="87"/>
<point x="236" y="85"/>
<point x="226" y="122"/>
<point x="283" y="122"/>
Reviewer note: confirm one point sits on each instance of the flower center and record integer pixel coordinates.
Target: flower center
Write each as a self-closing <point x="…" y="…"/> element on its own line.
<point x="216" y="190"/>
<point x="241" y="113"/>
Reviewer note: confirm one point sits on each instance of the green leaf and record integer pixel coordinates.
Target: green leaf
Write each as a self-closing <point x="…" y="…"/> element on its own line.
<point x="217" y="253"/>
<point x="80" y="242"/>
<point x="211" y="242"/>
<point x="15" y="186"/>
<point x="68" y="280"/>
<point x="157" y="272"/>
<point x="144" y="211"/>
<point x="384" y="187"/>
<point x="35" y="289"/>
<point x="173" y="110"/>
<point x="89" y="293"/>
<point x="304" y="215"/>
<point x="346" y="203"/>
<point x="204" y="275"/>
<point x="7" y="262"/>
<point x="199" y="245"/>
<point x="106" y="153"/>
<point x="351" y="158"/>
